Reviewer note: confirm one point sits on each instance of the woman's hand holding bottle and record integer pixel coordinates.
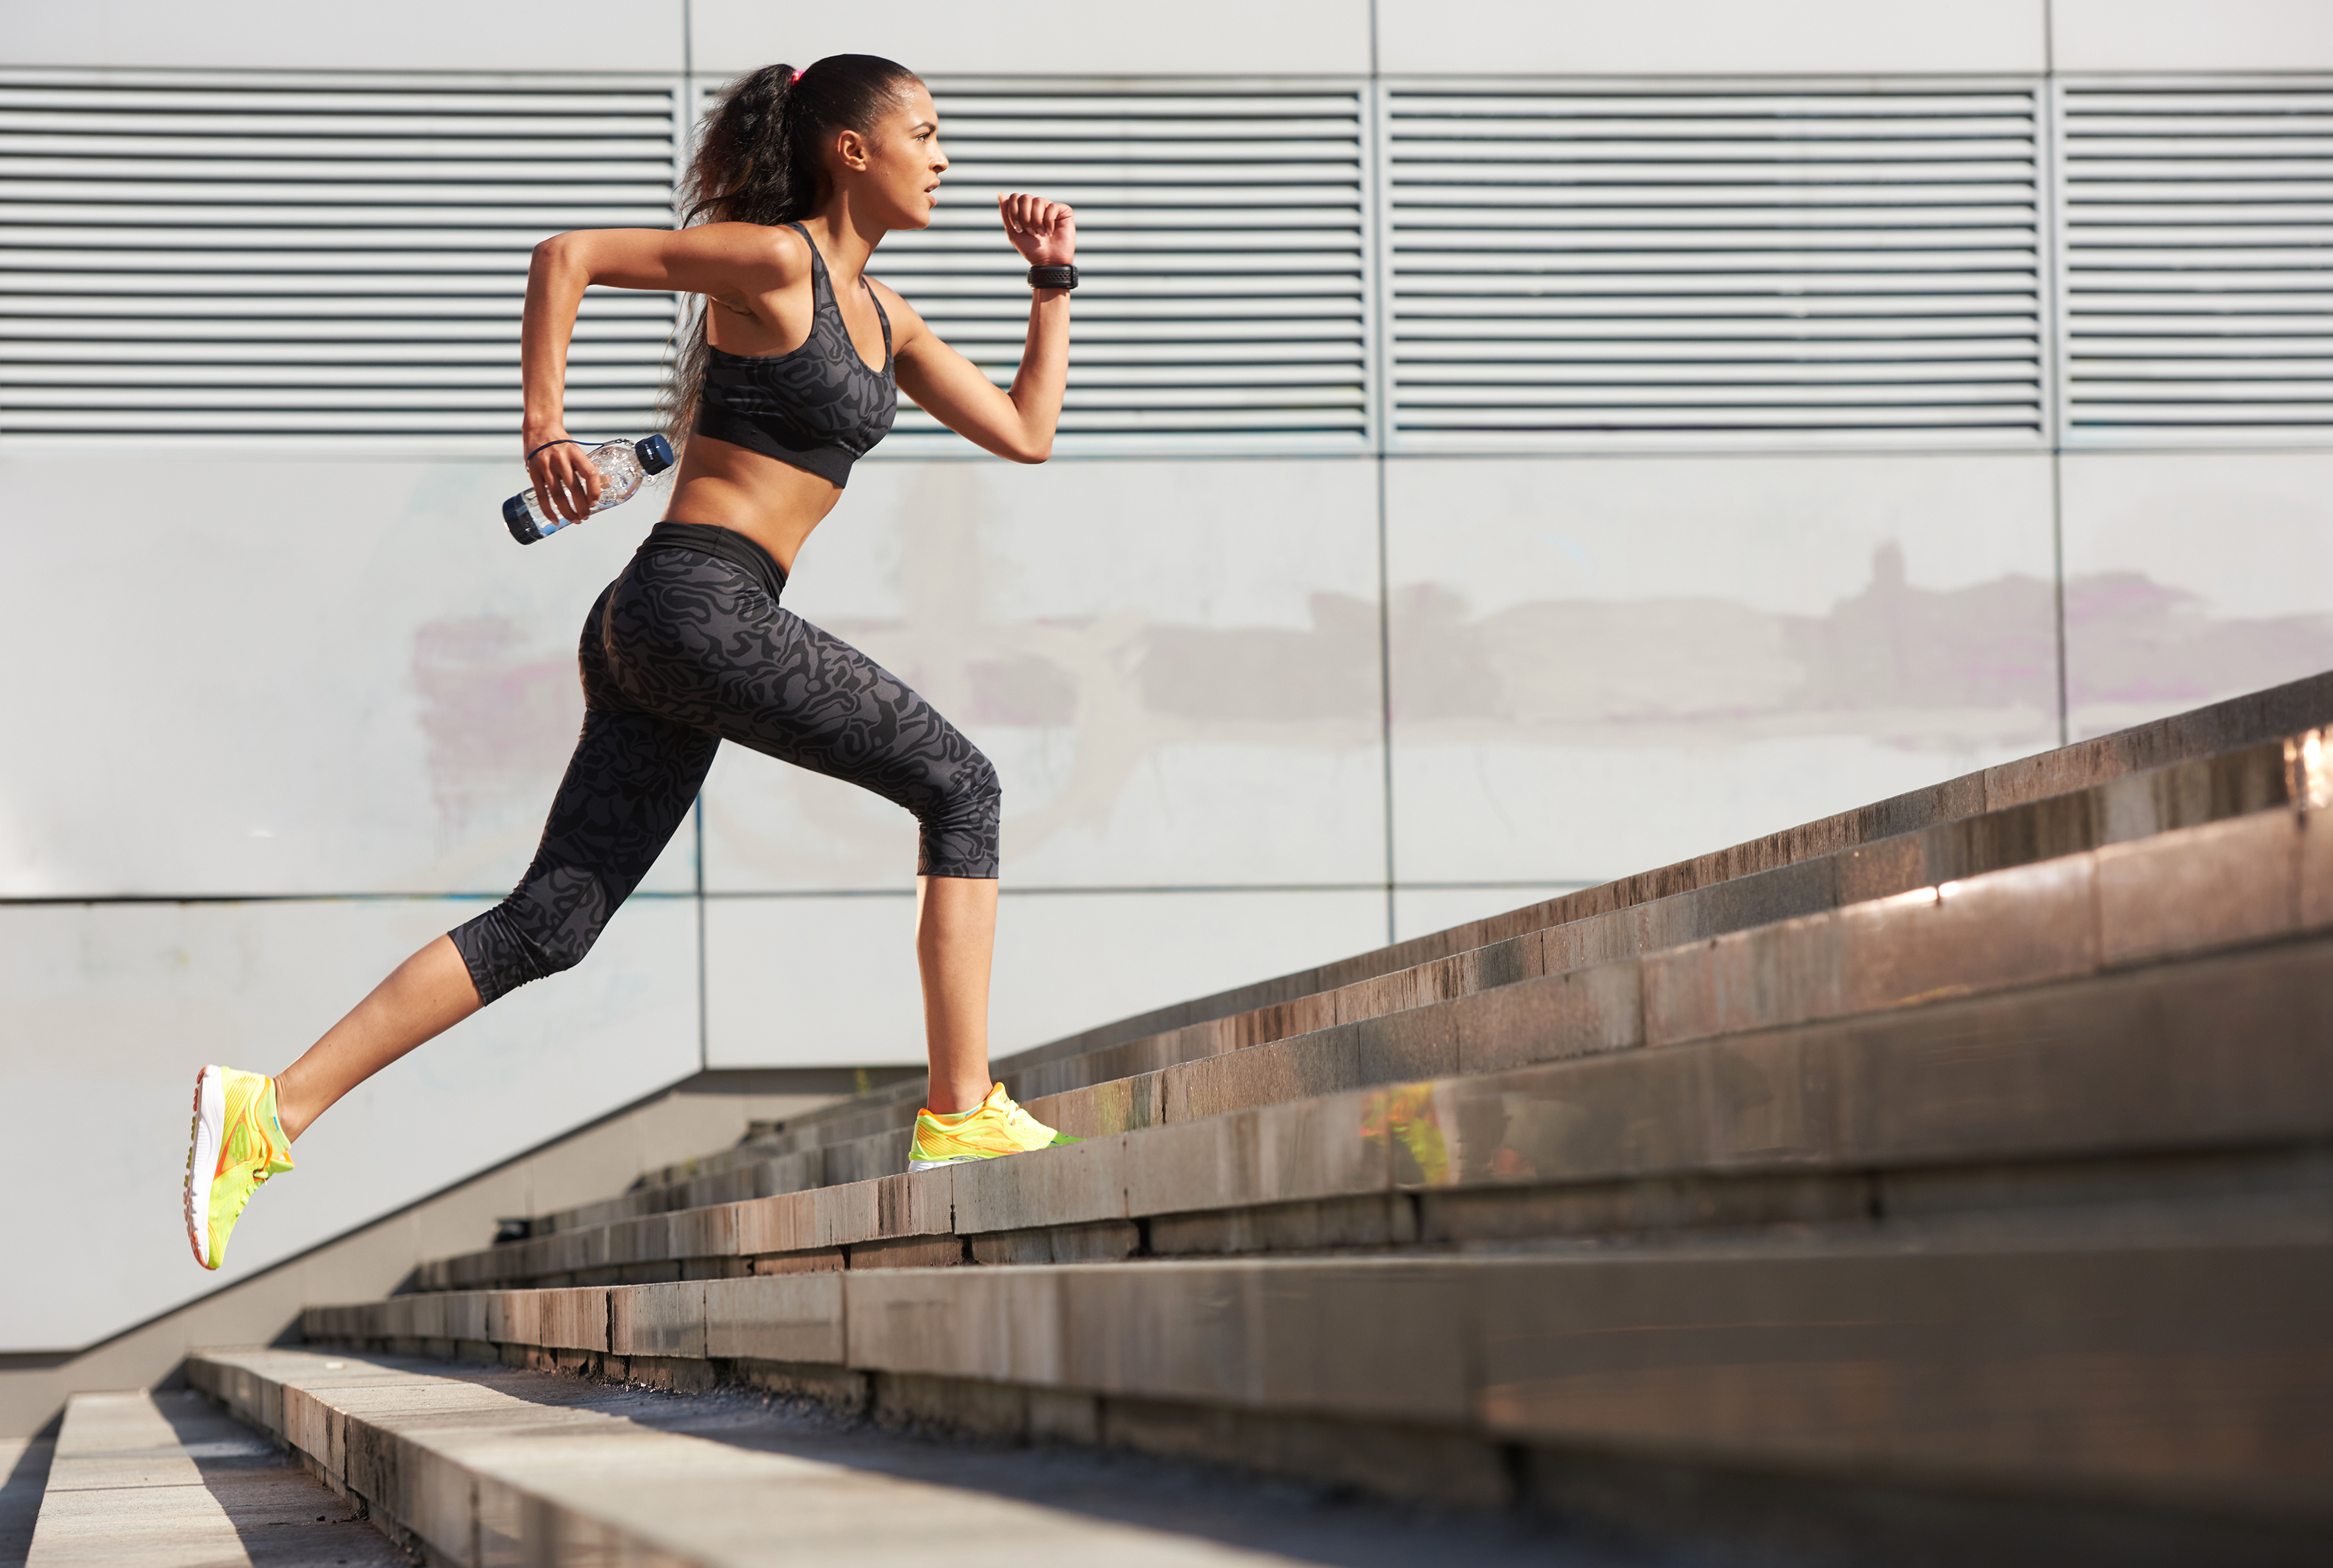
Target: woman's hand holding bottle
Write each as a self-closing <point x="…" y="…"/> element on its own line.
<point x="566" y="484"/>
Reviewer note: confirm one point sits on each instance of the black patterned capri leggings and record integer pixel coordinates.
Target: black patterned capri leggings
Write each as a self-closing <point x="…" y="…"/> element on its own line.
<point x="686" y="649"/>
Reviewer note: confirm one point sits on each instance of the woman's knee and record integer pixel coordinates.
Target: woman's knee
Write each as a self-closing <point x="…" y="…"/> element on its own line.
<point x="960" y="832"/>
<point x="544" y="927"/>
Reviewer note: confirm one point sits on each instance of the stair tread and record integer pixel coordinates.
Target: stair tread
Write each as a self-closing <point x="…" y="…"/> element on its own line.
<point x="2061" y="1358"/>
<point x="734" y="1481"/>
<point x="165" y="1480"/>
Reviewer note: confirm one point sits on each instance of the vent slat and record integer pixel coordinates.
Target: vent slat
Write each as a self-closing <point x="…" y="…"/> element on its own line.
<point x="316" y="262"/>
<point x="1636" y="267"/>
<point x="2199" y="262"/>
<point x="1220" y="234"/>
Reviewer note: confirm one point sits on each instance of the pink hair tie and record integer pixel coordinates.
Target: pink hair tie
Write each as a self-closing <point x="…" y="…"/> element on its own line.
<point x="797" y="78"/>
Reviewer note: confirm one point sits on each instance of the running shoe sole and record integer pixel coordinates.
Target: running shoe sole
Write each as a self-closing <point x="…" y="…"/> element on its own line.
<point x="202" y="1157"/>
<point x="916" y="1165"/>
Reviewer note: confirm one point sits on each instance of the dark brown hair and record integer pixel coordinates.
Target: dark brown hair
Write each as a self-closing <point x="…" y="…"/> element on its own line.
<point x="759" y="161"/>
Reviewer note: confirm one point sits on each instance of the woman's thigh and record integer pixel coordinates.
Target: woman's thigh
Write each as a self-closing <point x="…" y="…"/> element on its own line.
<point x="699" y="642"/>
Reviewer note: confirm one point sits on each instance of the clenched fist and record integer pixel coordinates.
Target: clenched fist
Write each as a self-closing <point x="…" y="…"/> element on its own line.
<point x="1045" y="232"/>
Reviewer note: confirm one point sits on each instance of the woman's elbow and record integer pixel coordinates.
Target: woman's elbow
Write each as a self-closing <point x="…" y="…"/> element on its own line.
<point x="1034" y="450"/>
<point x="553" y="254"/>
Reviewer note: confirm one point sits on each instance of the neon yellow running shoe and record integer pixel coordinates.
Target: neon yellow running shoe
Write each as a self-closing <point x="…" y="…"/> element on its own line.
<point x="239" y="1142"/>
<point x="993" y="1127"/>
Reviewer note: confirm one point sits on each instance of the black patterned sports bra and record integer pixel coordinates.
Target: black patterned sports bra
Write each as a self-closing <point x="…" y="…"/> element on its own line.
<point x="819" y="406"/>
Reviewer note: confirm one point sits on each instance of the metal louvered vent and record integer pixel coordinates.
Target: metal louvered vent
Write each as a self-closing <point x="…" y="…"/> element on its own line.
<point x="2199" y="262"/>
<point x="1578" y="268"/>
<point x="210" y="256"/>
<point x="1220" y="236"/>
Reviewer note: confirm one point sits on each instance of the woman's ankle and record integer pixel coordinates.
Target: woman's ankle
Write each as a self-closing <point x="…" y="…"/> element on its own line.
<point x="954" y="1100"/>
<point x="293" y="1113"/>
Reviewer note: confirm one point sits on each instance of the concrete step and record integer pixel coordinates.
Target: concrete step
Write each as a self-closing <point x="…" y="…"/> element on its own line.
<point x="23" y="1472"/>
<point x="2191" y="1371"/>
<point x="868" y="1138"/>
<point x="479" y="1468"/>
<point x="1781" y="1070"/>
<point x="146" y="1480"/>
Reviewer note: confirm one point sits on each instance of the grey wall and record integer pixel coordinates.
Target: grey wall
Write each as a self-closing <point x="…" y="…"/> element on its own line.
<point x="279" y="716"/>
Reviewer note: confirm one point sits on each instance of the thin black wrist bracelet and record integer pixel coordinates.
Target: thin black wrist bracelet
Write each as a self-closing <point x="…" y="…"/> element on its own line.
<point x="1061" y="277"/>
<point x="562" y="441"/>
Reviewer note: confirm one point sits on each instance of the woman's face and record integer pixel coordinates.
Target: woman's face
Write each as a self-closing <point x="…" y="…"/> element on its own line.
<point x="895" y="166"/>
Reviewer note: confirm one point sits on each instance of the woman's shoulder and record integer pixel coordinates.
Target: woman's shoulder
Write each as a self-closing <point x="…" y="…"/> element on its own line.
<point x="780" y="247"/>
<point x="894" y="304"/>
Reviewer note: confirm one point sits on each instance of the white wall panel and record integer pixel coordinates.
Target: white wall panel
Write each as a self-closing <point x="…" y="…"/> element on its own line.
<point x="2185" y="35"/>
<point x="295" y="36"/>
<point x="264" y="675"/>
<point x="111" y="1010"/>
<point x="1028" y="37"/>
<point x="801" y="982"/>
<point x="2193" y="576"/>
<point x="831" y="981"/>
<point x="1602" y="665"/>
<point x="1708" y="37"/>
<point x="1174" y="668"/>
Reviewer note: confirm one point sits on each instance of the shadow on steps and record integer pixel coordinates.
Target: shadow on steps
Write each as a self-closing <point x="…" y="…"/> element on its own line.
<point x="25" y="1462"/>
<point x="285" y="1516"/>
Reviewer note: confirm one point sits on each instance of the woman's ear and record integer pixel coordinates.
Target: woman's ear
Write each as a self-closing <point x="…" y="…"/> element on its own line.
<point x="851" y="148"/>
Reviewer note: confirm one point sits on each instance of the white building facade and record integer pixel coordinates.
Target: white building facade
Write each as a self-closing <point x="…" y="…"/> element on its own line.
<point x="1510" y="445"/>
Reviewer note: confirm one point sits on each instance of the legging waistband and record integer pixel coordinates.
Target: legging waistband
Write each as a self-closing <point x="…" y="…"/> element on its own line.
<point x="724" y="543"/>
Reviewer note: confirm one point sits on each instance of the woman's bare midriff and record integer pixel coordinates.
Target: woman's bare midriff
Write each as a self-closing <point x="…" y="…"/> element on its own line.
<point x="772" y="504"/>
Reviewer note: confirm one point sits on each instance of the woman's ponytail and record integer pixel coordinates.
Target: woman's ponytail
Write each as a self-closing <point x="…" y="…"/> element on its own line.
<point x="759" y="160"/>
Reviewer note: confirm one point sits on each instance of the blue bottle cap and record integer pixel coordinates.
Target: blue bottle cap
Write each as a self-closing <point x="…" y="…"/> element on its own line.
<point x="654" y="453"/>
<point x="519" y="521"/>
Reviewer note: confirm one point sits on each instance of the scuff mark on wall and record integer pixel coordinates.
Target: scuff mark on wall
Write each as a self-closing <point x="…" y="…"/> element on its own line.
<point x="498" y="719"/>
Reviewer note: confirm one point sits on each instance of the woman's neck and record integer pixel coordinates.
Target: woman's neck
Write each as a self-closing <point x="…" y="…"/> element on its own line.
<point x="844" y="240"/>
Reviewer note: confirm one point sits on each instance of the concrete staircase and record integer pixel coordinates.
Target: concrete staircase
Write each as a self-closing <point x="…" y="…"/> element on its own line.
<point x="1951" y="1177"/>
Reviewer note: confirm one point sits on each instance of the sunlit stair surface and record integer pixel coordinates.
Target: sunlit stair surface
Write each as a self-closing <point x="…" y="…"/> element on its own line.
<point x="1951" y="1177"/>
<point x="165" y="1480"/>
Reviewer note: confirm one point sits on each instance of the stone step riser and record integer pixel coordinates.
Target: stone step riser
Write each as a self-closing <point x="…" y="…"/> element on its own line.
<point x="856" y="1142"/>
<point x="2249" y="880"/>
<point x="2194" y="1368"/>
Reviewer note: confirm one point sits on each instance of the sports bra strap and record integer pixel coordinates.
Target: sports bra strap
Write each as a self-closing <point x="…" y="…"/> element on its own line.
<point x="818" y="274"/>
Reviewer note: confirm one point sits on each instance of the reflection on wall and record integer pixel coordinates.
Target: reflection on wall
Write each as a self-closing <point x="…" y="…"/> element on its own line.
<point x="1921" y="669"/>
<point x="2193" y="576"/>
<point x="2151" y="646"/>
<point x="1600" y="666"/>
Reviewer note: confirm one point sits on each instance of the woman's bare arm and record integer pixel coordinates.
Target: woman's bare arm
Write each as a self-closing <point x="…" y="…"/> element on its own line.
<point x="1016" y="423"/>
<point x="740" y="264"/>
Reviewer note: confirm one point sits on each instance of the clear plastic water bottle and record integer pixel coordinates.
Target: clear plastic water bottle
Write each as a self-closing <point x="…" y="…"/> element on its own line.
<point x="624" y="466"/>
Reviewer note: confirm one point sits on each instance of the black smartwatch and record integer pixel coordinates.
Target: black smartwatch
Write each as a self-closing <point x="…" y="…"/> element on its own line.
<point x="1061" y="277"/>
